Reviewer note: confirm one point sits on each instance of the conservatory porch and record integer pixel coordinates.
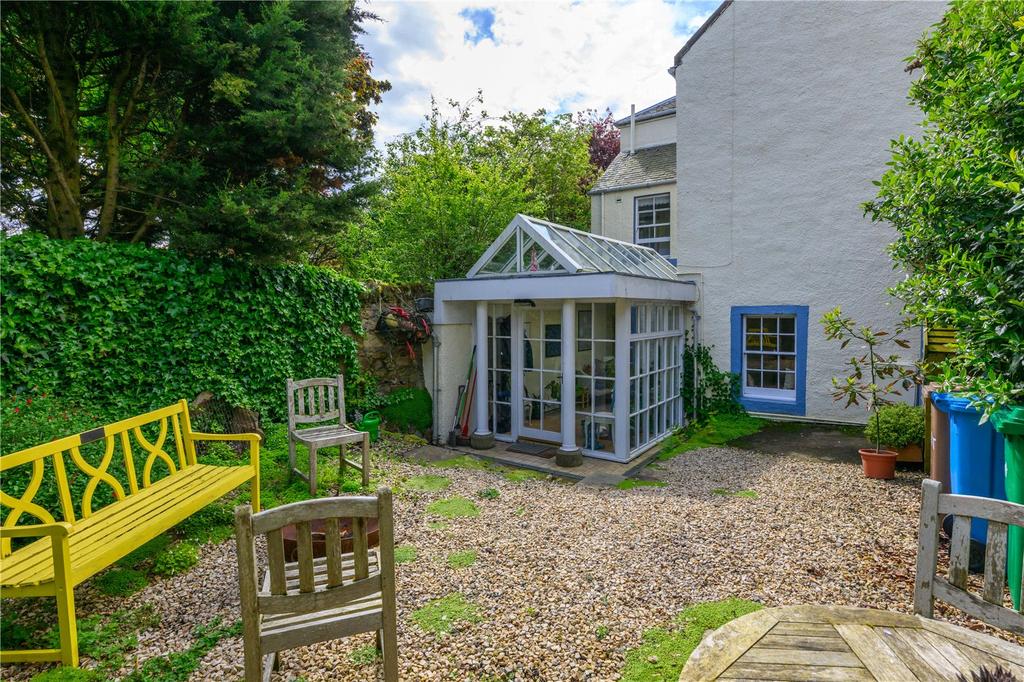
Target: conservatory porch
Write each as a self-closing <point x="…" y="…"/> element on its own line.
<point x="592" y="319"/>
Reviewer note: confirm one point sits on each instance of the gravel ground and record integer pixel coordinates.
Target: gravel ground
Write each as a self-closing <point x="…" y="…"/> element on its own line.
<point x="557" y="562"/>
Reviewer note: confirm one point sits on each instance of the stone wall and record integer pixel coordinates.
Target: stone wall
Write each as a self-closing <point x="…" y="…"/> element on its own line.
<point x="386" y="359"/>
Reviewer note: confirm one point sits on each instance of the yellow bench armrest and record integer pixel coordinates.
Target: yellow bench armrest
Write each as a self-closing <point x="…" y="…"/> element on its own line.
<point x="37" y="530"/>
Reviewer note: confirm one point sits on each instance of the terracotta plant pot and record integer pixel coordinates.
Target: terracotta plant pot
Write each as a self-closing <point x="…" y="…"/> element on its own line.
<point x="910" y="453"/>
<point x="878" y="463"/>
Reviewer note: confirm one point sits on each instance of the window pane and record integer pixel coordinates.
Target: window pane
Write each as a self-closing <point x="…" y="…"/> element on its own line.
<point x="771" y="361"/>
<point x="787" y="362"/>
<point x="770" y="324"/>
<point x="645" y="218"/>
<point x="770" y="379"/>
<point x="753" y="361"/>
<point x="787" y="325"/>
<point x="661" y="247"/>
<point x="787" y="344"/>
<point x="662" y="216"/>
<point x="583" y="394"/>
<point x="769" y="342"/>
<point x="753" y="325"/>
<point x="753" y="342"/>
<point x="584" y="321"/>
<point x="604" y="358"/>
<point x="603" y="391"/>
<point x="661" y="201"/>
<point x="604" y="321"/>
<point x="788" y="381"/>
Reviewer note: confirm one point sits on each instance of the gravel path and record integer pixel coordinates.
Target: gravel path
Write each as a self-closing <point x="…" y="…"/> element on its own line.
<point x="567" y="578"/>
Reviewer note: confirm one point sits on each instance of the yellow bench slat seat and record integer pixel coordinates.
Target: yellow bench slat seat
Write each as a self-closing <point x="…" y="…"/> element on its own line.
<point x="116" y="530"/>
<point x="84" y="540"/>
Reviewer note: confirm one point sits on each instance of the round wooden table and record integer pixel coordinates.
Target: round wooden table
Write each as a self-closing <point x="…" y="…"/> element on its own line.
<point x="843" y="643"/>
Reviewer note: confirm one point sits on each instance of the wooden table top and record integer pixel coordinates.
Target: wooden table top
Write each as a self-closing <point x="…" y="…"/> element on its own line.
<point x="844" y="643"/>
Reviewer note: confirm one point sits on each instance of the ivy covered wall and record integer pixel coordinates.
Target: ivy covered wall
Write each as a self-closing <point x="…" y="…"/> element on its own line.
<point x="131" y="328"/>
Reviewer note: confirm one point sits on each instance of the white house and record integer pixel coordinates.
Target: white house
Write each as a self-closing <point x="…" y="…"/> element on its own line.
<point x="733" y="213"/>
<point x="782" y="115"/>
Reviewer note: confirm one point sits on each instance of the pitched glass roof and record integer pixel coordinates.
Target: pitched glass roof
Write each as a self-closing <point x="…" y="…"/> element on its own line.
<point x="530" y="246"/>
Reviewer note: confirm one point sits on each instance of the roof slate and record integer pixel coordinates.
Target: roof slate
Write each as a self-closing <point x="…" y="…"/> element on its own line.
<point x="662" y="108"/>
<point x="645" y="166"/>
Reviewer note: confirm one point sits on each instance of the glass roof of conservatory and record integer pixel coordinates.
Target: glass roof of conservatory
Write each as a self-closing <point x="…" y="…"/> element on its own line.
<point x="530" y="246"/>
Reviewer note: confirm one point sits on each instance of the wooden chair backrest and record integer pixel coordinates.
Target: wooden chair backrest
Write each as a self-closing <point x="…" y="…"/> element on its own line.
<point x="952" y="588"/>
<point x="313" y="401"/>
<point x="348" y="578"/>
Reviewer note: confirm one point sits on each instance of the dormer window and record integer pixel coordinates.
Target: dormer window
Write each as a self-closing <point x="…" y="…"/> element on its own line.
<point x="651" y="223"/>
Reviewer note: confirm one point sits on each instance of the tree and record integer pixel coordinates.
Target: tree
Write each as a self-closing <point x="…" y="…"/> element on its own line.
<point x="450" y="187"/>
<point x="213" y="127"/>
<point x="954" y="196"/>
<point x="605" y="141"/>
<point x="445" y="196"/>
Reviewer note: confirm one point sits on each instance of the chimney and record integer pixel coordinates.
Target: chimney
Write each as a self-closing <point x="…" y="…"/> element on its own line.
<point x="632" y="128"/>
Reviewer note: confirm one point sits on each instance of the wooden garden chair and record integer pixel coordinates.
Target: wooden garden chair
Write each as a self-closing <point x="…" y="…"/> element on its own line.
<point x="316" y="600"/>
<point x="315" y="401"/>
<point x="952" y="587"/>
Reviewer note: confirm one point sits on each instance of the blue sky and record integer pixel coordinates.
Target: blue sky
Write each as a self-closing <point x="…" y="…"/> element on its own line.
<point x="524" y="56"/>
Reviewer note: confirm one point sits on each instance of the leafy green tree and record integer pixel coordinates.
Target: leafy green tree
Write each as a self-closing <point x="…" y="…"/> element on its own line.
<point x="450" y="187"/>
<point x="953" y="193"/>
<point x="227" y="127"/>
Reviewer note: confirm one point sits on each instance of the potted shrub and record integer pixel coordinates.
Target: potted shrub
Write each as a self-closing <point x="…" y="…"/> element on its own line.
<point x="899" y="427"/>
<point x="862" y="383"/>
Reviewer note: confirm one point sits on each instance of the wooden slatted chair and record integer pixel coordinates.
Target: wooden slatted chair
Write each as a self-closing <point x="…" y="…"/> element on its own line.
<point x="952" y="588"/>
<point x="315" y="600"/>
<point x="315" y="401"/>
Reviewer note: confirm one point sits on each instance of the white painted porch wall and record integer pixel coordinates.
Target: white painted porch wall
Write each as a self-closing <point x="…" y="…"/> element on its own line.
<point x="784" y="114"/>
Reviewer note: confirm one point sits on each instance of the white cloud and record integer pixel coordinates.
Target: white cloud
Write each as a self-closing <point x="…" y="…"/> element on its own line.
<point x="559" y="56"/>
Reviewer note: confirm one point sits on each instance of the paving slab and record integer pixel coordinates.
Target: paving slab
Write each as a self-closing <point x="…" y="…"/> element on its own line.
<point x="602" y="480"/>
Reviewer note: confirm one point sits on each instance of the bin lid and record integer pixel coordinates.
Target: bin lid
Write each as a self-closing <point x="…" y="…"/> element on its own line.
<point x="961" y="404"/>
<point x="941" y="401"/>
<point x="1009" y="420"/>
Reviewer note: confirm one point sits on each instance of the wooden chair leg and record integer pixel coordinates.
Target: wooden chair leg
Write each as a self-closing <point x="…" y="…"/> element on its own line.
<point x="366" y="460"/>
<point x="341" y="466"/>
<point x="390" y="651"/>
<point x="312" y="469"/>
<point x="291" y="456"/>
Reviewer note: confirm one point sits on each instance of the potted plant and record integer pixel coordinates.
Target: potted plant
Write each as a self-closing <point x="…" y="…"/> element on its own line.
<point x="862" y="383"/>
<point x="899" y="427"/>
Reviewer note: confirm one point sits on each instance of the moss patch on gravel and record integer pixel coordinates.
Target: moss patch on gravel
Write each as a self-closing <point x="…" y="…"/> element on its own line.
<point x="178" y="666"/>
<point x="427" y="483"/>
<point x="663" y="652"/>
<point x="405" y="554"/>
<point x="462" y="559"/>
<point x="631" y="483"/>
<point x="719" y="429"/>
<point x="453" y="508"/>
<point x="364" y="655"/>
<point x="441" y="615"/>
<point x="513" y="474"/>
<point x="120" y="582"/>
<point x="725" y="492"/>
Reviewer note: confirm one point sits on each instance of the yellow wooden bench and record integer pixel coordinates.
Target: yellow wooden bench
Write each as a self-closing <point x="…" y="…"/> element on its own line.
<point x="88" y="540"/>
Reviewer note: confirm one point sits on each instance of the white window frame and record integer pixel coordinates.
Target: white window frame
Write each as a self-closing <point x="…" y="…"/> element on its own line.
<point x="780" y="394"/>
<point x="653" y="242"/>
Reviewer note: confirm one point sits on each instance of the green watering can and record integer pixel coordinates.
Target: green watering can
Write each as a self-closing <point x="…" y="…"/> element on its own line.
<point x="371" y="424"/>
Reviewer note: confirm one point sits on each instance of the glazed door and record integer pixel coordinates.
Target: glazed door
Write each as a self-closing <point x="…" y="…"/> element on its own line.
<point x="540" y="371"/>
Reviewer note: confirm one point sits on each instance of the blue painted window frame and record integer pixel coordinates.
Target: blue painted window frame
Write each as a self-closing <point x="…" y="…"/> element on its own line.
<point x="792" y="407"/>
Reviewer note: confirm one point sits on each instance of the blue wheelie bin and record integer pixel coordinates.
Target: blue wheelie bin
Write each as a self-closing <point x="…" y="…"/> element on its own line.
<point x="976" y="462"/>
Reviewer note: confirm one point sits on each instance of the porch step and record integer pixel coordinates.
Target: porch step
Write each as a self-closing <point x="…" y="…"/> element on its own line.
<point x="601" y="480"/>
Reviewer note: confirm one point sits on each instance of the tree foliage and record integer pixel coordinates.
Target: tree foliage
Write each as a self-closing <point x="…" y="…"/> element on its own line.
<point x="222" y="127"/>
<point x="953" y="193"/>
<point x="452" y="185"/>
<point x="127" y="328"/>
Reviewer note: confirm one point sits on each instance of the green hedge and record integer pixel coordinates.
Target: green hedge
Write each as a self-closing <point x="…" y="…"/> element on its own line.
<point x="129" y="328"/>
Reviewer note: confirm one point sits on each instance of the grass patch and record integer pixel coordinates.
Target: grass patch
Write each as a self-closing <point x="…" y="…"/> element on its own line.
<point x="364" y="655"/>
<point x="214" y="523"/>
<point x="146" y="553"/>
<point x="719" y="429"/>
<point x="120" y="582"/>
<point x="405" y="554"/>
<point x="453" y="508"/>
<point x="631" y="483"/>
<point x="513" y="474"/>
<point x="725" y="492"/>
<point x="663" y="652"/>
<point x="521" y="475"/>
<point x="463" y="559"/>
<point x="427" y="483"/>
<point x="441" y="615"/>
<point x="67" y="674"/>
<point x="437" y="525"/>
<point x="179" y="665"/>
<point x="176" y="560"/>
<point x="109" y="638"/>
<point x="489" y="494"/>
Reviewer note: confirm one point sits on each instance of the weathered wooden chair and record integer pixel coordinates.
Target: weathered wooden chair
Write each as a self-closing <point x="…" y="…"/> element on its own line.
<point x="952" y="588"/>
<point x="315" y="401"/>
<point x="315" y="600"/>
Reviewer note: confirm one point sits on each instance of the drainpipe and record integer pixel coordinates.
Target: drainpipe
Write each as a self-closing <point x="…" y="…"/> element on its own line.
<point x="435" y="345"/>
<point x="632" y="128"/>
